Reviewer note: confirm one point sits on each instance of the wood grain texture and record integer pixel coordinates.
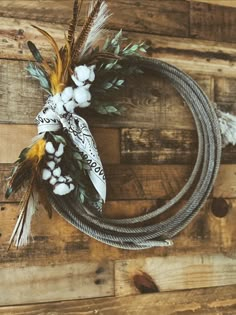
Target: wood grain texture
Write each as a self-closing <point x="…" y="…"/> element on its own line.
<point x="209" y="301"/>
<point x="57" y="242"/>
<point x="56" y="282"/>
<point x="150" y="17"/>
<point x="225" y="3"/>
<point x="212" y="22"/>
<point x="176" y="273"/>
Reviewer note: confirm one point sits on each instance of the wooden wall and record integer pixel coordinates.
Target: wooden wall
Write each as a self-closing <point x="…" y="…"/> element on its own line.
<point x="148" y="155"/>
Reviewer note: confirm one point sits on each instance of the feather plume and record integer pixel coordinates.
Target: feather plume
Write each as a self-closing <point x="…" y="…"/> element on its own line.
<point x="74" y="22"/>
<point x="21" y="232"/>
<point x="91" y="29"/>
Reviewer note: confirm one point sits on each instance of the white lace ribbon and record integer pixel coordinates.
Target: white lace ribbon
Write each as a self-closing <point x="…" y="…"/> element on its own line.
<point x="49" y="119"/>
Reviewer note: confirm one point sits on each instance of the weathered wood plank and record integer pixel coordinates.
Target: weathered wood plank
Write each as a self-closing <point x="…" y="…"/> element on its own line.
<point x="57" y="242"/>
<point x="225" y="3"/>
<point x="149" y="16"/>
<point x="34" y="284"/>
<point x="212" y="22"/>
<point x="14" y="138"/>
<point x="164" y="108"/>
<point x="129" y="182"/>
<point x="208" y="301"/>
<point x="175" y="273"/>
<point x="209" y="57"/>
<point x="225" y="94"/>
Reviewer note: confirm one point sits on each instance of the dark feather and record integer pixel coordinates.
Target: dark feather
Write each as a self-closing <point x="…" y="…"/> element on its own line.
<point x="74" y="22"/>
<point x="35" y="52"/>
<point x="85" y="31"/>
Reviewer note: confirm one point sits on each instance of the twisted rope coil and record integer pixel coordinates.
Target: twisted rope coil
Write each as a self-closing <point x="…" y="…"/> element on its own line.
<point x="142" y="232"/>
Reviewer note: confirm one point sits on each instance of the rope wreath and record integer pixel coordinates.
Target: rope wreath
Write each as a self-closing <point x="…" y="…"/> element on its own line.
<point x="62" y="168"/>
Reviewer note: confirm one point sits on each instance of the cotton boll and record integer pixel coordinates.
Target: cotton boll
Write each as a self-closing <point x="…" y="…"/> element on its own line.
<point x="84" y="105"/>
<point x="46" y="174"/>
<point x="72" y="187"/>
<point x="81" y="95"/>
<point x="61" y="189"/>
<point x="82" y="73"/>
<point x="57" y="160"/>
<point x="49" y="148"/>
<point x="70" y="106"/>
<point x="57" y="172"/>
<point x="51" y="165"/>
<point x="53" y="181"/>
<point x="67" y="94"/>
<point x="61" y="179"/>
<point x="60" y="150"/>
<point x="68" y="179"/>
<point x="92" y="74"/>
<point x="60" y="108"/>
<point x="76" y="81"/>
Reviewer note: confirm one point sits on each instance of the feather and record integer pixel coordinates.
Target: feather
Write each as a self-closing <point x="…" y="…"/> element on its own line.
<point x="91" y="29"/>
<point x="74" y="22"/>
<point x="55" y="76"/>
<point x="35" y="52"/>
<point x="21" y="232"/>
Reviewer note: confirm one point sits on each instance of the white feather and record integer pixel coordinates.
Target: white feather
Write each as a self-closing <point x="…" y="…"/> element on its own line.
<point x="23" y="239"/>
<point x="96" y="29"/>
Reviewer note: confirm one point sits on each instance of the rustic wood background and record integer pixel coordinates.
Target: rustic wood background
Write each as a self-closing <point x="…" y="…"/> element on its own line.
<point x="148" y="155"/>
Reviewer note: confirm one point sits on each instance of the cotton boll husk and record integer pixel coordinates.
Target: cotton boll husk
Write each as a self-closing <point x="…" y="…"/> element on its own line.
<point x="46" y="174"/>
<point x="57" y="172"/>
<point x="61" y="189"/>
<point x="67" y="94"/>
<point x="49" y="148"/>
<point x="81" y="95"/>
<point x="60" y="150"/>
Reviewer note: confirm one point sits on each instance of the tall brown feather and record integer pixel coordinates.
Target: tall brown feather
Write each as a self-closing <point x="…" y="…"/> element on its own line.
<point x="74" y="21"/>
<point x="85" y="31"/>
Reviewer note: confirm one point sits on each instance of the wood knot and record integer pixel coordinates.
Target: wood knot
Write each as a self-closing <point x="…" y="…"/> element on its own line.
<point x="144" y="283"/>
<point x="219" y="207"/>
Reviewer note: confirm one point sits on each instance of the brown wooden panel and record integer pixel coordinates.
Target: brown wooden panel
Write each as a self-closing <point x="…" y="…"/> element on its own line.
<point x="212" y="22"/>
<point x="149" y="16"/>
<point x="34" y="284"/>
<point x="210" y="301"/>
<point x="225" y="3"/>
<point x="56" y="241"/>
<point x="157" y="104"/>
<point x="175" y="273"/>
<point x="14" y="138"/>
<point x="225" y="94"/>
<point x="158" y="146"/>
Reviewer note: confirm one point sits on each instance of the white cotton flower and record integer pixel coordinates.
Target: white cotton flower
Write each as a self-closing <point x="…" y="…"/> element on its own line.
<point x="60" y="108"/>
<point x="82" y="74"/>
<point x="72" y="187"/>
<point x="70" y="106"/>
<point x="49" y="147"/>
<point x="84" y="105"/>
<point x="68" y="179"/>
<point x="51" y="165"/>
<point x="53" y="181"/>
<point x="81" y="95"/>
<point x="60" y="150"/>
<point x="61" y="189"/>
<point x="57" y="160"/>
<point x="61" y="179"/>
<point x="57" y="172"/>
<point x="67" y="94"/>
<point x="46" y="174"/>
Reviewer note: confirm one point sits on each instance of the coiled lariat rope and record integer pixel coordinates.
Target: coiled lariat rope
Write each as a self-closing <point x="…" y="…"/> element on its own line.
<point x="142" y="231"/>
